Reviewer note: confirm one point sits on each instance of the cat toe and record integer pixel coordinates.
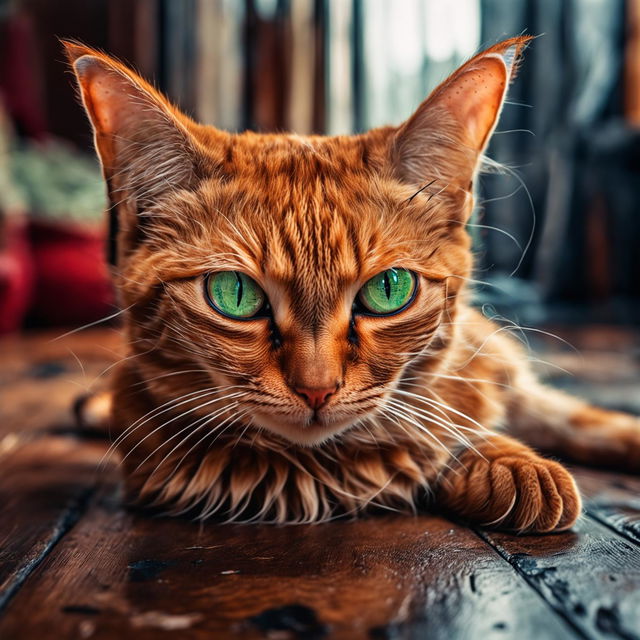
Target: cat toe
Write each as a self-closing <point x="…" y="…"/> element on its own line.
<point x="523" y="494"/>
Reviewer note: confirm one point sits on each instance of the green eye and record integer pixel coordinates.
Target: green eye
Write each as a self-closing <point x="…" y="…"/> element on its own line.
<point x="234" y="294"/>
<point x="388" y="292"/>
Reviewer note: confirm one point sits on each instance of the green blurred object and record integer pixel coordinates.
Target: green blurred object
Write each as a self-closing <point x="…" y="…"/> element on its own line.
<point x="58" y="183"/>
<point x="11" y="201"/>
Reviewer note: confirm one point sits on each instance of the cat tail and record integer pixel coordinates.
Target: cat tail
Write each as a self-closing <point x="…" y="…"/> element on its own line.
<point x="558" y="423"/>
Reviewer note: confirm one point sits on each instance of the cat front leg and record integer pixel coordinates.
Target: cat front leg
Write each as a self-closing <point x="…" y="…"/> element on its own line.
<point x="501" y="483"/>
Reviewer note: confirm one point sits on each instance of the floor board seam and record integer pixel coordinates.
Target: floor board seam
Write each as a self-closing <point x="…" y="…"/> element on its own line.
<point x="603" y="521"/>
<point x="62" y="527"/>
<point x="505" y="556"/>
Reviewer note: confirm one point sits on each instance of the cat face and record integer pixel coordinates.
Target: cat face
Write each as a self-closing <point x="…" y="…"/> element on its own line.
<point x="302" y="276"/>
<point x="310" y="230"/>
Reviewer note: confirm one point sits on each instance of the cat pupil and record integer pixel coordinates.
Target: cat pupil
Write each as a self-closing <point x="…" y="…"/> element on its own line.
<point x="238" y="288"/>
<point x="387" y="285"/>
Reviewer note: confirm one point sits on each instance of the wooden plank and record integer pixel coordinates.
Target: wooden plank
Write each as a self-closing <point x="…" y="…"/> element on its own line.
<point x="117" y="574"/>
<point x="45" y="480"/>
<point x="42" y="375"/>
<point x="613" y="499"/>
<point x="589" y="575"/>
<point x="43" y="488"/>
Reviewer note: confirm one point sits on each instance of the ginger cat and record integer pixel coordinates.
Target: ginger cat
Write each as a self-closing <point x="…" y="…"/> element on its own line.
<point x="300" y="342"/>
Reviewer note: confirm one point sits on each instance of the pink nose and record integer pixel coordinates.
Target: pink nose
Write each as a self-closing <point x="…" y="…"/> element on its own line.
<point x="316" y="398"/>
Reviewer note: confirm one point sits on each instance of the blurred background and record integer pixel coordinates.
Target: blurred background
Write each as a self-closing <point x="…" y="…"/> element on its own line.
<point x="557" y="228"/>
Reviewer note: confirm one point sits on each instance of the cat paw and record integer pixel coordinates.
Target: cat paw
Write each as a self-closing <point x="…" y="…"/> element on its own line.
<point x="522" y="493"/>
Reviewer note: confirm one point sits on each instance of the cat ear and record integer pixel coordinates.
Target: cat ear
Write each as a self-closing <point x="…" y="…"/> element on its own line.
<point x="444" y="139"/>
<point x="144" y="143"/>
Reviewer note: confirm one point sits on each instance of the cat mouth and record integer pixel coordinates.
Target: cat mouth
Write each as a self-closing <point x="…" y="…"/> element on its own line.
<point x="310" y="432"/>
<point x="315" y="425"/>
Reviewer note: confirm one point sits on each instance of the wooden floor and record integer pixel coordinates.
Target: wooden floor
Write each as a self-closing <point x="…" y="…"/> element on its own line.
<point x="75" y="564"/>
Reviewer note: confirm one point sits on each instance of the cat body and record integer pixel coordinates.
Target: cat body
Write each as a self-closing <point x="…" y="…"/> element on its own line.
<point x="301" y="345"/>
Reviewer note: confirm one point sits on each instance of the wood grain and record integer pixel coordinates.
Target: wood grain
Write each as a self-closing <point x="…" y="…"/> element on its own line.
<point x="612" y="499"/>
<point x="117" y="574"/>
<point x="43" y="488"/>
<point x="590" y="575"/>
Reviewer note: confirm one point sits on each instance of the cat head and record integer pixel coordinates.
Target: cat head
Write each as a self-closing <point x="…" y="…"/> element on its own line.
<point x="304" y="276"/>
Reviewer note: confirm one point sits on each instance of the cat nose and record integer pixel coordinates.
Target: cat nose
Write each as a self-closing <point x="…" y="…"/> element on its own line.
<point x="316" y="398"/>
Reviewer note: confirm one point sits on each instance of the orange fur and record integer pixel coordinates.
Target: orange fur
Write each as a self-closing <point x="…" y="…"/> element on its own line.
<point x="210" y="421"/>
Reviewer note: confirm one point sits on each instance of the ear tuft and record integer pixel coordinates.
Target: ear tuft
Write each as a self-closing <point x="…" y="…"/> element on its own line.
<point x="74" y="50"/>
<point x="511" y="51"/>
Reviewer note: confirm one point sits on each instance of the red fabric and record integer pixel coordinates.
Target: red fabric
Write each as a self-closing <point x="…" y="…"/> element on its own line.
<point x="72" y="284"/>
<point x="16" y="276"/>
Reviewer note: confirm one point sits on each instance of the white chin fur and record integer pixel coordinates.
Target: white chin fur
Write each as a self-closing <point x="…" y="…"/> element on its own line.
<point x="306" y="435"/>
